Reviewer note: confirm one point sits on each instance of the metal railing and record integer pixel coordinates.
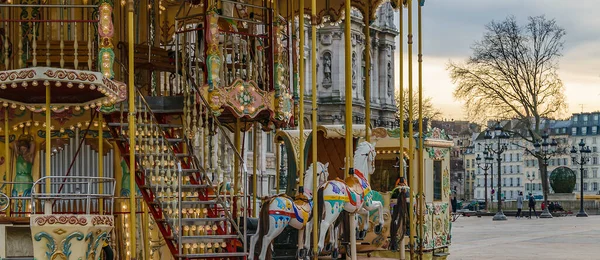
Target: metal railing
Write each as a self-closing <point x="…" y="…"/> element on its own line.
<point x="81" y="200"/>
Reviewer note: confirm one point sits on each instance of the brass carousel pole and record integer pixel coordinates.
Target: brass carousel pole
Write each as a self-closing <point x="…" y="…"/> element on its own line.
<point x="100" y="163"/>
<point x="368" y="75"/>
<point x="313" y="56"/>
<point x="411" y="141"/>
<point x="7" y="155"/>
<point x="301" y="80"/>
<point x="301" y="103"/>
<point x="254" y="166"/>
<point x="421" y="166"/>
<point x="48" y="140"/>
<point x="348" y="119"/>
<point x="401" y="115"/>
<point x="132" y="127"/>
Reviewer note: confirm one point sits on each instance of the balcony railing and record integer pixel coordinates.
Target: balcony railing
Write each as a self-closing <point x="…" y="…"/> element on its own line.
<point x="50" y="35"/>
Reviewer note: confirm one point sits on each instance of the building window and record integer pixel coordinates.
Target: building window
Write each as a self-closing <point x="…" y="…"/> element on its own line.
<point x="511" y="194"/>
<point x="584" y="130"/>
<point x="574" y="130"/>
<point x="539" y="186"/>
<point x="585" y="118"/>
<point x="585" y="186"/>
<point x="595" y="159"/>
<point x="596" y="117"/>
<point x="511" y="183"/>
<point x="595" y="173"/>
<point x="595" y="186"/>
<point x="518" y="168"/>
<point x="574" y="118"/>
<point x="518" y="158"/>
<point x="518" y="182"/>
<point x="585" y="174"/>
<point x="594" y="131"/>
<point x="437" y="180"/>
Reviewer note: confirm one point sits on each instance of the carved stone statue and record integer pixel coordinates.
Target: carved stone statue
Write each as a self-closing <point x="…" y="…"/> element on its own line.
<point x="354" y="68"/>
<point x="327" y="68"/>
<point x="390" y="16"/>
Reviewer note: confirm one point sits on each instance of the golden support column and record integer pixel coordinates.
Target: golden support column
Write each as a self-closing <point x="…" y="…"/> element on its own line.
<point x="100" y="162"/>
<point x="7" y="155"/>
<point x="411" y="141"/>
<point x="348" y="119"/>
<point x="401" y="115"/>
<point x="48" y="140"/>
<point x="301" y="103"/>
<point x="313" y="56"/>
<point x="368" y="76"/>
<point x="132" y="127"/>
<point x="421" y="166"/>
<point x="254" y="165"/>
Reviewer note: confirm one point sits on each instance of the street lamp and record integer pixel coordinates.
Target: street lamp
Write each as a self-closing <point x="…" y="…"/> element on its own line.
<point x="282" y="170"/>
<point x="584" y="158"/>
<point x="530" y="178"/>
<point x="544" y="151"/>
<point x="502" y="146"/>
<point x="487" y="165"/>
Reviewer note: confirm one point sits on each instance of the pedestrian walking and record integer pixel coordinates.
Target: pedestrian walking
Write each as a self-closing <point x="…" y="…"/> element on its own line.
<point x="532" y="206"/>
<point x="519" y="204"/>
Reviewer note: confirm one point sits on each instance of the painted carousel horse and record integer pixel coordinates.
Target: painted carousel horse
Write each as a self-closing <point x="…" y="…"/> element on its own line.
<point x="353" y="195"/>
<point x="279" y="211"/>
<point x="400" y="210"/>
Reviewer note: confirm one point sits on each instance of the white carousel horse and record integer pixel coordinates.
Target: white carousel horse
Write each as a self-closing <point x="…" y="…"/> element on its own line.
<point x="279" y="211"/>
<point x="353" y="195"/>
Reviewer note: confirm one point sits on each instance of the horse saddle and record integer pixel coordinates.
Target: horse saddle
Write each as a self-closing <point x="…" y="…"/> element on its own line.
<point x="354" y="184"/>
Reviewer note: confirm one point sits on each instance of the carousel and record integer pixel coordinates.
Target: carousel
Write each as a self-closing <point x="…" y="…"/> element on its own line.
<point x="124" y="135"/>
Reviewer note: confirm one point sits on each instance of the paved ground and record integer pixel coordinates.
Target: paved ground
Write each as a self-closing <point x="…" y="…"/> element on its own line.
<point x="557" y="238"/>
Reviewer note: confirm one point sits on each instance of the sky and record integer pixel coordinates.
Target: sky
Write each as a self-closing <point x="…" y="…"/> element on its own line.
<point x="450" y="27"/>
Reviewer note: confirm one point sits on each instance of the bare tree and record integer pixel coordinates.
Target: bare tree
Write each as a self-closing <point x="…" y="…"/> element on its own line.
<point x="513" y="74"/>
<point x="429" y="111"/>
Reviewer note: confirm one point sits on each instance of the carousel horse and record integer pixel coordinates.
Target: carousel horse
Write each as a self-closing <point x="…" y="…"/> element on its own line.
<point x="279" y="211"/>
<point x="353" y="195"/>
<point x="400" y="210"/>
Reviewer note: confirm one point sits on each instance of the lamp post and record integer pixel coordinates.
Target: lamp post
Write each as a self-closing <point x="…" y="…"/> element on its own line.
<point x="544" y="151"/>
<point x="282" y="169"/>
<point x="502" y="146"/>
<point x="530" y="178"/>
<point x="487" y="165"/>
<point x="582" y="159"/>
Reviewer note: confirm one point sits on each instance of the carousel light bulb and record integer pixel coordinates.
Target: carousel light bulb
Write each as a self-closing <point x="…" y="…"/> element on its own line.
<point x="98" y="104"/>
<point x="51" y="127"/>
<point x="24" y="84"/>
<point x="3" y="86"/>
<point x="21" y="125"/>
<point x="69" y="85"/>
<point x="92" y="105"/>
<point x="43" y="108"/>
<point x="72" y="127"/>
<point x="81" y="86"/>
<point x="32" y="108"/>
<point x="34" y="83"/>
<point x="62" y="130"/>
<point x="13" y="85"/>
<point x="28" y="123"/>
<point x="96" y="124"/>
<point x="36" y="123"/>
<point x="79" y="125"/>
<point x="87" y="123"/>
<point x="92" y="87"/>
<point x="22" y="108"/>
<point x="4" y="104"/>
<point x="86" y="107"/>
<point x="54" y="108"/>
<point x="13" y="105"/>
<point x="15" y="128"/>
<point x="46" y="83"/>
<point x="77" y="108"/>
<point x="58" y="84"/>
<point x="44" y="125"/>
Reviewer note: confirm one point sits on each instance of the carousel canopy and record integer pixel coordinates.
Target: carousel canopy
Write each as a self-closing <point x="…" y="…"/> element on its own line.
<point x="26" y="88"/>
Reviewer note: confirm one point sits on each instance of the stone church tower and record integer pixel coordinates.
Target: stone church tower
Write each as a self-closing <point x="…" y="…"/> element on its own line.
<point x="330" y="68"/>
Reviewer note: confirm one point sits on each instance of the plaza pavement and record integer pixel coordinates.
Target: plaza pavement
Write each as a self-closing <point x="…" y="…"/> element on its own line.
<point x="557" y="238"/>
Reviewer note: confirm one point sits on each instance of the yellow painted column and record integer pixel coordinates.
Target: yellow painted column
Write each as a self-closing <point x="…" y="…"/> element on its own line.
<point x="421" y="150"/>
<point x="277" y="165"/>
<point x="254" y="165"/>
<point x="7" y="156"/>
<point x="348" y="119"/>
<point x="48" y="138"/>
<point x="368" y="75"/>
<point x="132" y="127"/>
<point x="101" y="162"/>
<point x="401" y="89"/>
<point x="301" y="103"/>
<point x="313" y="55"/>
<point x="411" y="141"/>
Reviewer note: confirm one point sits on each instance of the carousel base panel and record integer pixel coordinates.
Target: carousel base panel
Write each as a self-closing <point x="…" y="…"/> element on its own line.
<point x="15" y="241"/>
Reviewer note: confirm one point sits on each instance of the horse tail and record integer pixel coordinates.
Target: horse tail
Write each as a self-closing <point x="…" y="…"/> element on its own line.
<point x="263" y="227"/>
<point x="404" y="215"/>
<point x="345" y="223"/>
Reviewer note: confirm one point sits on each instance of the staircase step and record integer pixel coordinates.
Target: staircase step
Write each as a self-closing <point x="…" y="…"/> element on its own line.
<point x="125" y="125"/>
<point x="211" y="255"/>
<point x="188" y="239"/>
<point x="193" y="220"/>
<point x="147" y="139"/>
<point x="185" y="187"/>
